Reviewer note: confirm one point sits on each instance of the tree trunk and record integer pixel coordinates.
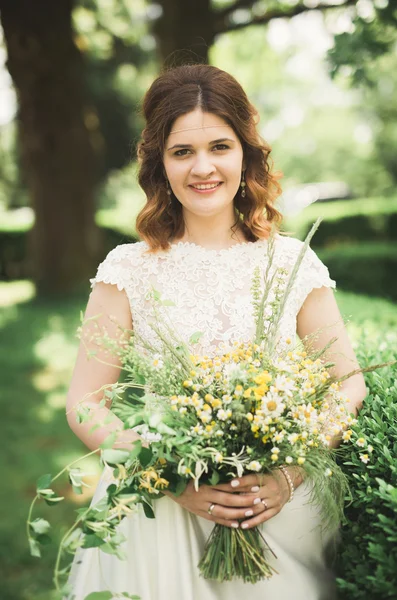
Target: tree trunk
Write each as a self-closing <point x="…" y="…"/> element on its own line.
<point x="56" y="152"/>
<point x="184" y="31"/>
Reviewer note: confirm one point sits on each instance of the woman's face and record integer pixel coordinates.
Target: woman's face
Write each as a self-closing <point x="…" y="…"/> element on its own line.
<point x="203" y="160"/>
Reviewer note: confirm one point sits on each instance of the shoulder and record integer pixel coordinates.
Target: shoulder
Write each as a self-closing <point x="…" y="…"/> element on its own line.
<point x="291" y="249"/>
<point x="119" y="264"/>
<point x="312" y="272"/>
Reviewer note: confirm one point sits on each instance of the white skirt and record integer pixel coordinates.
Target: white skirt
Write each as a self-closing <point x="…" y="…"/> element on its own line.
<point x="163" y="554"/>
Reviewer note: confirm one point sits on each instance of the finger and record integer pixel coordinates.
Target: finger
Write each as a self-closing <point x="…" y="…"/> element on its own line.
<point x="233" y="514"/>
<point x="262" y="517"/>
<point x="226" y="522"/>
<point x="234" y="500"/>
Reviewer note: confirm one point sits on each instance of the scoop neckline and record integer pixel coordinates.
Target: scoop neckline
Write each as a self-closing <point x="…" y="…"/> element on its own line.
<point x="203" y="249"/>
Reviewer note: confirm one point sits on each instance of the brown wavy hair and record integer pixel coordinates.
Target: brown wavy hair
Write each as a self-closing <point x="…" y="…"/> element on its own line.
<point x="179" y="91"/>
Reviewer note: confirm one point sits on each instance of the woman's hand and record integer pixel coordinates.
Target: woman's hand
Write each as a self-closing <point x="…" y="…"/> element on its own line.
<point x="273" y="490"/>
<point x="245" y="502"/>
<point x="220" y="504"/>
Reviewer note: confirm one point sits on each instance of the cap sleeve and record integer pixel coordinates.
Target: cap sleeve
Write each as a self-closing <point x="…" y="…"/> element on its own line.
<point x="312" y="274"/>
<point x="115" y="269"/>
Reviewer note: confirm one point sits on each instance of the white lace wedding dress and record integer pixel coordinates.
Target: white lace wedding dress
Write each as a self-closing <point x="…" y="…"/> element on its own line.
<point x="210" y="292"/>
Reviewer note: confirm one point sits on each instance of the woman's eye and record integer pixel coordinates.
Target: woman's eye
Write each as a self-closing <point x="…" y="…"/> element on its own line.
<point x="221" y="147"/>
<point x="181" y="152"/>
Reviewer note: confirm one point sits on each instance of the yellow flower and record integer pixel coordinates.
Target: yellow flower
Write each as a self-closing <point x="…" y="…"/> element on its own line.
<point x="347" y="435"/>
<point x="361" y="442"/>
<point x="161" y="483"/>
<point x="274" y="457"/>
<point x="364" y="458"/>
<point x="300" y="460"/>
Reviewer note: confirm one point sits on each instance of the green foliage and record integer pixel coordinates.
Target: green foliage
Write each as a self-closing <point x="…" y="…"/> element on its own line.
<point x="367" y="561"/>
<point x="367" y="268"/>
<point x="373" y="35"/>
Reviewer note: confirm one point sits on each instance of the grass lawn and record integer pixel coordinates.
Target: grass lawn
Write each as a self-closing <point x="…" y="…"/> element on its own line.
<point x="36" y="358"/>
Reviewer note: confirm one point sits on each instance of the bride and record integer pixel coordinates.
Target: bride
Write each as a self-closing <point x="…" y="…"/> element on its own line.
<point x="204" y="229"/>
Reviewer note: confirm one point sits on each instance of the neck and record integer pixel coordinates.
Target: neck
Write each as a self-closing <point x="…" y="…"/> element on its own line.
<point x="213" y="233"/>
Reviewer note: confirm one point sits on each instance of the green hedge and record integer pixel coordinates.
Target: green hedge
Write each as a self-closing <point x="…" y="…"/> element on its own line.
<point x="368" y="268"/>
<point x="367" y="559"/>
<point x="14" y="255"/>
<point x="347" y="221"/>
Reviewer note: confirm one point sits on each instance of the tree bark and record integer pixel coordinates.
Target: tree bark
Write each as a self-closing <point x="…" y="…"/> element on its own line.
<point x="184" y="31"/>
<point x="56" y="151"/>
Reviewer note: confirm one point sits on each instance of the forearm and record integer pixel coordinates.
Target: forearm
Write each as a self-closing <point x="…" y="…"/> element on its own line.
<point x="106" y="422"/>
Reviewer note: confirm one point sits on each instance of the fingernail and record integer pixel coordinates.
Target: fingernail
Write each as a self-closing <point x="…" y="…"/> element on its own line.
<point x="255" y="488"/>
<point x="235" y="525"/>
<point x="257" y="500"/>
<point x="235" y="483"/>
<point x="244" y="526"/>
<point x="249" y="513"/>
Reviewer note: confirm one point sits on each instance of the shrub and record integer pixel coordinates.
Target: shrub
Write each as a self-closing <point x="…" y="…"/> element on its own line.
<point x="368" y="268"/>
<point x="367" y="560"/>
<point x="347" y="221"/>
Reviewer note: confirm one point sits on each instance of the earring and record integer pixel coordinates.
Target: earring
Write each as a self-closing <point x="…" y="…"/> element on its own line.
<point x="168" y="187"/>
<point x="242" y="185"/>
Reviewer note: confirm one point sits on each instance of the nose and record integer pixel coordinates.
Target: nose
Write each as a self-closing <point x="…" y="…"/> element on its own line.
<point x="203" y="165"/>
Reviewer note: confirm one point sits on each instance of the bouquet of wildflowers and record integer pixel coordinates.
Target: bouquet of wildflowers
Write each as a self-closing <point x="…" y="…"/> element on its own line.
<point x="211" y="419"/>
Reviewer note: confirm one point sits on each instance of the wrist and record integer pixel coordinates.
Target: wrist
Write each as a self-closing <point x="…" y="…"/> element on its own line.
<point x="296" y="474"/>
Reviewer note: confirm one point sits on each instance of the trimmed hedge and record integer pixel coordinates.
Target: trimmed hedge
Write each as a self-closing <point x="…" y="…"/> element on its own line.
<point x="369" y="268"/>
<point x="14" y="256"/>
<point x="347" y="221"/>
<point x="367" y="559"/>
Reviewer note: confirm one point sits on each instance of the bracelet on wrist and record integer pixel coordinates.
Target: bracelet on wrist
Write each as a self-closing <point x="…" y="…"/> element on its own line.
<point x="289" y="481"/>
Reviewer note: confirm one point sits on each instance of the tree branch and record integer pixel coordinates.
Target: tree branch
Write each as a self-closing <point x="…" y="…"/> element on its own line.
<point x="221" y="25"/>
<point x="239" y="4"/>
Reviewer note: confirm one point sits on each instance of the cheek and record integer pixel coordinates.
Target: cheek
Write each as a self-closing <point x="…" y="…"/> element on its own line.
<point x="176" y="172"/>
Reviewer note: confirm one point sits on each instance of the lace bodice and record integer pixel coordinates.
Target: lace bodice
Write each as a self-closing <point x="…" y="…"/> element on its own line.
<point x="209" y="291"/>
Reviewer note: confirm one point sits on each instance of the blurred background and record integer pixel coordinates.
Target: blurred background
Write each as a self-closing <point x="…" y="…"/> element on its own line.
<point x="323" y="75"/>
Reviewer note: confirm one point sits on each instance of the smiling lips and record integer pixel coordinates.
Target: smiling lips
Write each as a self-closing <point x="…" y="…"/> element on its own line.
<point x="205" y="188"/>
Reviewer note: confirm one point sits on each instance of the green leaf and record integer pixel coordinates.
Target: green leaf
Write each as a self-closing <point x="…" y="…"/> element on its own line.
<point x="50" y="500"/>
<point x="40" y="526"/>
<point x="194" y="338"/>
<point x="99" y="596"/>
<point x="34" y="548"/>
<point x="44" y="481"/>
<point x="115" y="456"/>
<point x="168" y="303"/>
<point x="180" y="487"/>
<point x="214" y="479"/>
<point x="148" y="510"/>
<point x="109" y="441"/>
<point x="136" y="450"/>
<point x="145" y="456"/>
<point x="92" y="541"/>
<point x="44" y="540"/>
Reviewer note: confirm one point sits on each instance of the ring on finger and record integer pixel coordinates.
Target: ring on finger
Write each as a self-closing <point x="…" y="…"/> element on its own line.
<point x="210" y="509"/>
<point x="265" y="504"/>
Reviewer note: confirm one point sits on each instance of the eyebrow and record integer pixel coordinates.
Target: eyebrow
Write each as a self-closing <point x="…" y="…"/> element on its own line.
<point x="219" y="141"/>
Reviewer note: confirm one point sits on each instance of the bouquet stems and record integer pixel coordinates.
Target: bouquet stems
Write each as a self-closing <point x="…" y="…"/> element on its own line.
<point x="236" y="553"/>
